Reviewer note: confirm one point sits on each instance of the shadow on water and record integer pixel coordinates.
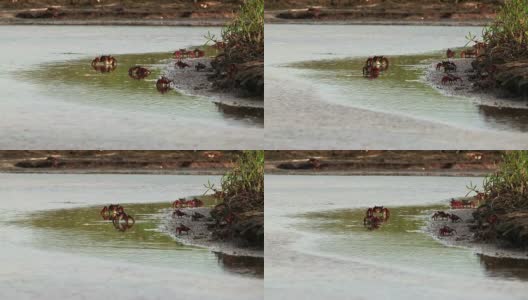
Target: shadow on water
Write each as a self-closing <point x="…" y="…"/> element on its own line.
<point x="512" y="117"/>
<point x="401" y="242"/>
<point x="505" y="267"/>
<point x="76" y="80"/>
<point x="83" y="231"/>
<point x="245" y="265"/>
<point x="401" y="90"/>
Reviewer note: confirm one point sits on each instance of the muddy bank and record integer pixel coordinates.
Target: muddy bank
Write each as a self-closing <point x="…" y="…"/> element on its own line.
<point x="117" y="13"/>
<point x="201" y="233"/>
<point x="448" y="163"/>
<point x="381" y="12"/>
<point x="471" y="88"/>
<point x="238" y="95"/>
<point x="466" y="236"/>
<point x="123" y="162"/>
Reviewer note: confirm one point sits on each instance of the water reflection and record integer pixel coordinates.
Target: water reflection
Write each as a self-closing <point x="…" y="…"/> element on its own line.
<point x="504" y="267"/>
<point x="104" y="68"/>
<point x="401" y="90"/>
<point x="513" y="118"/>
<point x="245" y="265"/>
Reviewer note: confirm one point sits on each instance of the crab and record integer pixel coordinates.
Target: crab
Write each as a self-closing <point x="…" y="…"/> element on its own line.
<point x="179" y="203"/>
<point x="372" y="222"/>
<point x="454" y="218"/>
<point x="196" y="216"/>
<point x="450" y="79"/>
<point x="469" y="53"/>
<point x="104" y="68"/>
<point x="199" y="67"/>
<point x="123" y="221"/>
<point x="492" y="219"/>
<point x="182" y="53"/>
<point x="110" y="212"/>
<point x="180" y="64"/>
<point x="163" y="84"/>
<point x="108" y="60"/>
<point x="195" y="203"/>
<point x="374" y="65"/>
<point x="447" y="65"/>
<point x="456" y="204"/>
<point x="450" y="53"/>
<point x="446" y="231"/>
<point x="440" y="214"/>
<point x="138" y="72"/>
<point x="198" y="53"/>
<point x="385" y="213"/>
<point x="182" y="228"/>
<point x="178" y="213"/>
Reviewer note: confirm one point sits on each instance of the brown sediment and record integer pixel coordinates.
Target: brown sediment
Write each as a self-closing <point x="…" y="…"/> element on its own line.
<point x="147" y="12"/>
<point x="483" y="91"/>
<point x="483" y="237"/>
<point x="162" y="162"/>
<point x="204" y="234"/>
<point x="455" y="163"/>
<point x="383" y="12"/>
<point x="237" y="101"/>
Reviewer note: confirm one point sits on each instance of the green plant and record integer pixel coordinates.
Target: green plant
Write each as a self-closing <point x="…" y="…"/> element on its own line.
<point x="244" y="36"/>
<point x="507" y="188"/>
<point x="507" y="36"/>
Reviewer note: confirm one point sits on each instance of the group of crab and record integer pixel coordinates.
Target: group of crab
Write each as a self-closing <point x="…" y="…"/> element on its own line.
<point x="183" y="203"/>
<point x="108" y="63"/>
<point x="375" y="216"/>
<point x="446" y="230"/>
<point x="449" y="66"/>
<point x="374" y="66"/>
<point x="116" y="213"/>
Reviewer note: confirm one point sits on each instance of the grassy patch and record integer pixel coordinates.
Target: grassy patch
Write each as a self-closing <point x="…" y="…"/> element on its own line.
<point x="507" y="188"/>
<point x="507" y="37"/>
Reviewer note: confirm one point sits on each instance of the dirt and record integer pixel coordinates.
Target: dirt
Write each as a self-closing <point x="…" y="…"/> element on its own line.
<point x="467" y="235"/>
<point x="380" y="11"/>
<point x="454" y="163"/>
<point x="230" y="94"/>
<point x="162" y="162"/>
<point x="202" y="234"/>
<point x="148" y="12"/>
<point x="514" y="96"/>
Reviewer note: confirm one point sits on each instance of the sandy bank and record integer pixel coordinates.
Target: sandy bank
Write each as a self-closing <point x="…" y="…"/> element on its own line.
<point x="193" y="82"/>
<point x="200" y="235"/>
<point x="464" y="237"/>
<point x="466" y="88"/>
<point x="318" y="124"/>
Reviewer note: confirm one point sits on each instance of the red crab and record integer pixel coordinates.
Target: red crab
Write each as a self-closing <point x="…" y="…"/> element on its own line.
<point x="440" y="214"/>
<point x="450" y="53"/>
<point x="454" y="218"/>
<point x="182" y="65"/>
<point x="182" y="228"/>
<point x="178" y="213"/>
<point x="138" y="72"/>
<point x="450" y="79"/>
<point x="446" y="231"/>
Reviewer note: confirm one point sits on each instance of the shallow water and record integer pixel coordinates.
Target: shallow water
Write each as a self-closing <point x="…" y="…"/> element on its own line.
<point x="322" y="67"/>
<point x="58" y="216"/>
<point x="318" y="220"/>
<point x="52" y="90"/>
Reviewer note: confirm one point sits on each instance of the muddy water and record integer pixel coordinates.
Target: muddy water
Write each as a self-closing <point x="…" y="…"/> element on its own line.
<point x="53" y="220"/>
<point x="325" y="75"/>
<point x="314" y="225"/>
<point x="54" y="99"/>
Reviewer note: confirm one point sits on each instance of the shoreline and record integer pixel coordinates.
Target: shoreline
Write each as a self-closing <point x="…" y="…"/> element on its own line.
<point x="201" y="235"/>
<point x="123" y="22"/>
<point x="196" y="83"/>
<point x="490" y="98"/>
<point x="468" y="173"/>
<point x="464" y="237"/>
